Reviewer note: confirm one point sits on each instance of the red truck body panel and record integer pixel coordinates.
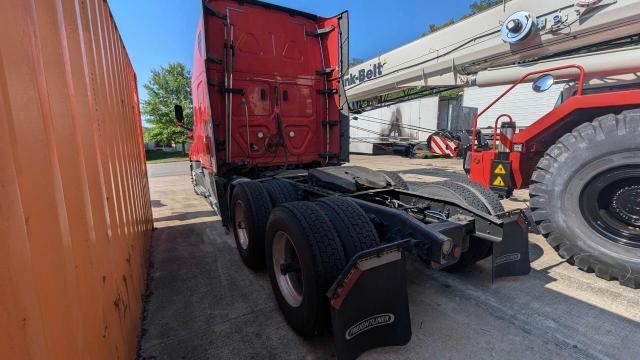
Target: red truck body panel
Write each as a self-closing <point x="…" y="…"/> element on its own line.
<point x="259" y="91"/>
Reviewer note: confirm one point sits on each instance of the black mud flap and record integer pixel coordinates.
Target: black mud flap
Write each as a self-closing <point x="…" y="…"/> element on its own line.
<point x="369" y="302"/>
<point x="511" y="255"/>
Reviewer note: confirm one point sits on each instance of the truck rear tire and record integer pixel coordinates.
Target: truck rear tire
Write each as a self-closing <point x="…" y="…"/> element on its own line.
<point x="397" y="180"/>
<point x="354" y="229"/>
<point x="280" y="191"/>
<point x="304" y="258"/>
<point x="585" y="197"/>
<point x="452" y="190"/>
<point x="251" y="207"/>
<point x="490" y="199"/>
<point x="463" y="193"/>
<point x="193" y="178"/>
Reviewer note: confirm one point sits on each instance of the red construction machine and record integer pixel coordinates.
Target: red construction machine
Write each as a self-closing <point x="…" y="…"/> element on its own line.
<point x="581" y="160"/>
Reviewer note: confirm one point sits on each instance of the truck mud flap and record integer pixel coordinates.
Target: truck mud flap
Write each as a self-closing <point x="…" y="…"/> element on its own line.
<point x="369" y="302"/>
<point x="511" y="255"/>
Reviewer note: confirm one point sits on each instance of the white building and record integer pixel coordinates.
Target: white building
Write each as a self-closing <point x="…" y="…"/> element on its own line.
<point x="405" y="121"/>
<point x="414" y="120"/>
<point x="522" y="103"/>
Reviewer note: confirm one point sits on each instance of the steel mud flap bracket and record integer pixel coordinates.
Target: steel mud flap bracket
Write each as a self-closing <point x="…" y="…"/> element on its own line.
<point x="369" y="302"/>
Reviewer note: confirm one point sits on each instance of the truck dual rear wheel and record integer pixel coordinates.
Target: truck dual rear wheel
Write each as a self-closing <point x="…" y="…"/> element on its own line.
<point x="304" y="258"/>
<point x="280" y="191"/>
<point x="490" y="199"/>
<point x="193" y="178"/>
<point x="250" y="209"/>
<point x="355" y="230"/>
<point x="585" y="196"/>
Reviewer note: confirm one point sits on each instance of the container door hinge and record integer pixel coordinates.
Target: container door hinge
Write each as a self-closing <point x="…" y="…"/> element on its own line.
<point x="320" y="32"/>
<point x="331" y="122"/>
<point x="329" y="91"/>
<point x="215" y="13"/>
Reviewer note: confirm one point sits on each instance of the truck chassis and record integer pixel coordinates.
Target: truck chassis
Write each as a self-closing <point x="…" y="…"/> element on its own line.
<point x="334" y="241"/>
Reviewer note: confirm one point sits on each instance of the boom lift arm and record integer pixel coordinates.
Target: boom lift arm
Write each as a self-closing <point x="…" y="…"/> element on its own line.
<point x="517" y="34"/>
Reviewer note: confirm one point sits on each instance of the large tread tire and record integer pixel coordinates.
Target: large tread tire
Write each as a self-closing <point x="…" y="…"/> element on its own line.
<point x="256" y="210"/>
<point x="451" y="190"/>
<point x="280" y="191"/>
<point x="355" y="230"/>
<point x="490" y="199"/>
<point x="397" y="181"/>
<point x="321" y="260"/>
<point x="567" y="167"/>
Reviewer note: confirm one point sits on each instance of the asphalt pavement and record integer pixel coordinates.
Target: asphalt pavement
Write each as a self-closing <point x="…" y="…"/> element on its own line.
<point x="202" y="303"/>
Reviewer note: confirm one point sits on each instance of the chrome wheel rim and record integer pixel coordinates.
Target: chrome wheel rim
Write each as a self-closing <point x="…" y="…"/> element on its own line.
<point x="240" y="223"/>
<point x="287" y="269"/>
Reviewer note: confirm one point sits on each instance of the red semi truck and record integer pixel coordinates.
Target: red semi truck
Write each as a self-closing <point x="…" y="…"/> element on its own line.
<point x="270" y="137"/>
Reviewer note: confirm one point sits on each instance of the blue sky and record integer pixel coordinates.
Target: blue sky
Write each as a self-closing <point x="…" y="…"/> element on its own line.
<point x="162" y="31"/>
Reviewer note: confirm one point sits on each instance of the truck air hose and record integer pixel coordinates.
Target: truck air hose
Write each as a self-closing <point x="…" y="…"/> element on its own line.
<point x="272" y="144"/>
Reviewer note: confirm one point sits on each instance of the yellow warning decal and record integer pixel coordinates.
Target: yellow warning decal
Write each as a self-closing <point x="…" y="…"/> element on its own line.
<point x="500" y="170"/>
<point x="498" y="181"/>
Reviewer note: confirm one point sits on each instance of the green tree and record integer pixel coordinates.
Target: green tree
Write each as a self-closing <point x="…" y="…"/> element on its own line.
<point x="145" y="134"/>
<point x="435" y="27"/>
<point x="167" y="87"/>
<point x="475" y="7"/>
<point x="356" y="61"/>
<point x="482" y="5"/>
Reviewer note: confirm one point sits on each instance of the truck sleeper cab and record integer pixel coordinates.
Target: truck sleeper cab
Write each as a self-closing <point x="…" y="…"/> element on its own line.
<point x="269" y="140"/>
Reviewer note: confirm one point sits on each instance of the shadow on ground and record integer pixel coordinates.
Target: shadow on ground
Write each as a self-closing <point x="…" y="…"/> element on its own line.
<point x="202" y="303"/>
<point x="157" y="204"/>
<point x="185" y="216"/>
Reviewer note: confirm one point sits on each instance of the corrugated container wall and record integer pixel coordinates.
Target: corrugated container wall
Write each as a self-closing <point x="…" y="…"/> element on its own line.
<point x="75" y="215"/>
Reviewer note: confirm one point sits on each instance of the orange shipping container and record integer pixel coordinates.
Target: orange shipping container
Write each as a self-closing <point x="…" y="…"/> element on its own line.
<point x="75" y="215"/>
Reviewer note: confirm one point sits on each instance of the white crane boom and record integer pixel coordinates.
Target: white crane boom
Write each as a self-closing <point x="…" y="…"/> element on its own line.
<point x="520" y="31"/>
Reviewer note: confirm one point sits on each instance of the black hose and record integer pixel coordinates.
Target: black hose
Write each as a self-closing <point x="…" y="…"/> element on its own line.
<point x="386" y="122"/>
<point x="284" y="141"/>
